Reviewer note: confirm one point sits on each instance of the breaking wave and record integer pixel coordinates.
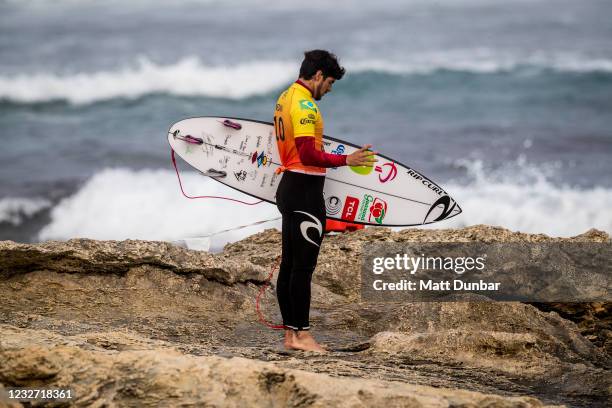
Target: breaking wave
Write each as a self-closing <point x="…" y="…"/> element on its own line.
<point x="192" y="77"/>
<point x="120" y="204"/>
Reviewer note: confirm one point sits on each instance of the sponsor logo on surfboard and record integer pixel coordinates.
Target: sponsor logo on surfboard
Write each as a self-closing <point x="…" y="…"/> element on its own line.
<point x="447" y="209"/>
<point x="244" y="143"/>
<point x="207" y="147"/>
<point x="339" y="149"/>
<point x="426" y="182"/>
<point x="378" y="210"/>
<point x="333" y="205"/>
<point x="240" y="175"/>
<point x="350" y="208"/>
<point x="273" y="179"/>
<point x="373" y="208"/>
<point x="365" y="204"/>
<point x="387" y="172"/>
<point x="261" y="159"/>
<point x="223" y="162"/>
<point x="363" y="170"/>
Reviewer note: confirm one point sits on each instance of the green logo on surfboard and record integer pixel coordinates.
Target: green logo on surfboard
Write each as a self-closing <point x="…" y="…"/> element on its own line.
<point x="363" y="170"/>
<point x="365" y="204"/>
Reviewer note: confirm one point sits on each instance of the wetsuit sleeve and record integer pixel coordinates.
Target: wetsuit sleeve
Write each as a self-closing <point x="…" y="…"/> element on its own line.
<point x="310" y="156"/>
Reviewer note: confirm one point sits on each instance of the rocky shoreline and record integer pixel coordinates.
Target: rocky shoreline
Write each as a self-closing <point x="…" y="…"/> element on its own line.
<point x="137" y="323"/>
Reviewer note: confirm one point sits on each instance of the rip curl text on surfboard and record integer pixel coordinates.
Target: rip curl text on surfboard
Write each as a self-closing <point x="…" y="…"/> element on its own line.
<point x="426" y="182"/>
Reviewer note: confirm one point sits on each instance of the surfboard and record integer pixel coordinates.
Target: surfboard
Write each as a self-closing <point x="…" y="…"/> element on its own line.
<point x="242" y="154"/>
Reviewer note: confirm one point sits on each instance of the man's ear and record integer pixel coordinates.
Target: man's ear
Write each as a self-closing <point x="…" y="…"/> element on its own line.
<point x="319" y="75"/>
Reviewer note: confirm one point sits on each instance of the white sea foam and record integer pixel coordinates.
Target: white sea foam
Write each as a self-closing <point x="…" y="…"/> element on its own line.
<point x="525" y="200"/>
<point x="14" y="210"/>
<point x="147" y="204"/>
<point x="192" y="77"/>
<point x="484" y="61"/>
<point x="187" y="77"/>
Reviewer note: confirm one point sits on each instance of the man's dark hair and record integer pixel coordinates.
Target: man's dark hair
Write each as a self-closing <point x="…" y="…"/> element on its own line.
<point x="321" y="60"/>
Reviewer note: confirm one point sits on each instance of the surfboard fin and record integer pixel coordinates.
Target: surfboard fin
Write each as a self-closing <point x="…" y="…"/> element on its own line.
<point x="214" y="173"/>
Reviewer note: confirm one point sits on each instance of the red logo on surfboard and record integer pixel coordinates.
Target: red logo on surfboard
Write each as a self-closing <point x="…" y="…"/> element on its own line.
<point x="261" y="159"/>
<point x="378" y="210"/>
<point x="350" y="208"/>
<point x="392" y="172"/>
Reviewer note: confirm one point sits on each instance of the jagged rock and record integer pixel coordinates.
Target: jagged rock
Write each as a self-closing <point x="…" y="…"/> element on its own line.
<point x="510" y="338"/>
<point x="593" y="319"/>
<point x="82" y="304"/>
<point x="163" y="375"/>
<point x="117" y="257"/>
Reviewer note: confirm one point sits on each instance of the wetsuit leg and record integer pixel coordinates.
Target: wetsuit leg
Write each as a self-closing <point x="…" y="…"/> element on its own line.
<point x="284" y="274"/>
<point x="307" y="235"/>
<point x="300" y="200"/>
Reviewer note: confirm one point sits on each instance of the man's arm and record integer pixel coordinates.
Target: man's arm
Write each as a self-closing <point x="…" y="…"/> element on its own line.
<point x="310" y="156"/>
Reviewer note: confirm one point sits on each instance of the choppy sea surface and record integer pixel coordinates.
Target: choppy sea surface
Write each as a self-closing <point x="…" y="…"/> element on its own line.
<point x="507" y="105"/>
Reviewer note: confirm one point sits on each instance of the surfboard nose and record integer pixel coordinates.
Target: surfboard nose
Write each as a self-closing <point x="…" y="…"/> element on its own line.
<point x="443" y="208"/>
<point x="456" y="211"/>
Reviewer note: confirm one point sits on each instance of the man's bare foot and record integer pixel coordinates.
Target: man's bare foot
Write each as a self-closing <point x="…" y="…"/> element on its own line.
<point x="289" y="336"/>
<point x="303" y="340"/>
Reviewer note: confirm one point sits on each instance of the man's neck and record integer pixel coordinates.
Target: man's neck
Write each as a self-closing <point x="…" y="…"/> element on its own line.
<point x="306" y="83"/>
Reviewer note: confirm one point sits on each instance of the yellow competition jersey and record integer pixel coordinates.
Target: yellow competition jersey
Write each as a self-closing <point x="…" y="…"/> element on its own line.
<point x="297" y="115"/>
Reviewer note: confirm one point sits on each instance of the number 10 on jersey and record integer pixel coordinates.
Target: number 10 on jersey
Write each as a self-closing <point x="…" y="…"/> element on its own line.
<point x="279" y="129"/>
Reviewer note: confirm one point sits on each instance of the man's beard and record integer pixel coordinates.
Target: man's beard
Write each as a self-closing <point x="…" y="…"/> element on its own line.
<point x="317" y="93"/>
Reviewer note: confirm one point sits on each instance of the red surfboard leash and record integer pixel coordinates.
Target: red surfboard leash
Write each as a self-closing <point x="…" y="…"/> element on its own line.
<point x="275" y="265"/>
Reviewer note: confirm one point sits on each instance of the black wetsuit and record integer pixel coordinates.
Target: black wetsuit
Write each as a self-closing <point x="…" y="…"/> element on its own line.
<point x="300" y="200"/>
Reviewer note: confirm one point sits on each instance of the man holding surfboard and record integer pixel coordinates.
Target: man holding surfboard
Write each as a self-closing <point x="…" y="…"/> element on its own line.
<point x="298" y="127"/>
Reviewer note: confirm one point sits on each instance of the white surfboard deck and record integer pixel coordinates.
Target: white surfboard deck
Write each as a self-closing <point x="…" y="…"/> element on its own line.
<point x="388" y="194"/>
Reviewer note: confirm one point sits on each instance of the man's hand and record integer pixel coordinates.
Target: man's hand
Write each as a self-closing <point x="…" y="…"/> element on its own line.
<point x="362" y="157"/>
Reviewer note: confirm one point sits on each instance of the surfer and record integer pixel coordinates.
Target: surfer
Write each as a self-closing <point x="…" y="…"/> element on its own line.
<point x="298" y="126"/>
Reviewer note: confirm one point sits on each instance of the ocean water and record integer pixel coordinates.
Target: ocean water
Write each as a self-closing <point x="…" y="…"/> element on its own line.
<point x="507" y="105"/>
